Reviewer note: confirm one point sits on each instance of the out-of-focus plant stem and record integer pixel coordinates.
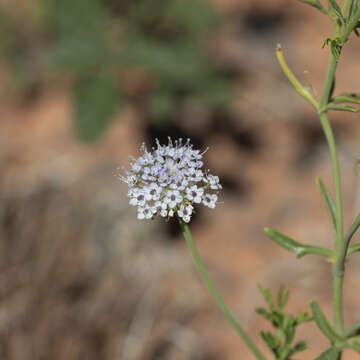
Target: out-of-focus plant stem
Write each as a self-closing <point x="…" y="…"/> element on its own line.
<point x="210" y="285"/>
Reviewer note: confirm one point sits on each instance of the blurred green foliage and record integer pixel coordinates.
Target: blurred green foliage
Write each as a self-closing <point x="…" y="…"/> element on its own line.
<point x="99" y="44"/>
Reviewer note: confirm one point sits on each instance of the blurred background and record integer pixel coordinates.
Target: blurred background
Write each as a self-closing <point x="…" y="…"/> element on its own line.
<point x="82" y="84"/>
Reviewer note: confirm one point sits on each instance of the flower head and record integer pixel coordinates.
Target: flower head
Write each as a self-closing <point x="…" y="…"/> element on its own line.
<point x="169" y="180"/>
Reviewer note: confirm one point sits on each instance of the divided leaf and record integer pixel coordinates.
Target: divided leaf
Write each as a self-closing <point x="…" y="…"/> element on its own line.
<point x="280" y="341"/>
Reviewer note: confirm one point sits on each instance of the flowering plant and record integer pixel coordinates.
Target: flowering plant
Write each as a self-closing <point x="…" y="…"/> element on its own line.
<point x="169" y="181"/>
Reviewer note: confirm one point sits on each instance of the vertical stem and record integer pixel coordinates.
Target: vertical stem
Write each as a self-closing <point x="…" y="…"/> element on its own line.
<point x="338" y="267"/>
<point x="210" y="285"/>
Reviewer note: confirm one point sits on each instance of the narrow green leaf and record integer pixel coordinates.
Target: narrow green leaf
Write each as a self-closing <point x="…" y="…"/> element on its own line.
<point x="352" y="95"/>
<point x="316" y="4"/>
<point x="294" y="246"/>
<point x="283" y="297"/>
<point x="303" y="317"/>
<point x="353" y="8"/>
<point x="300" y="346"/>
<point x="268" y="297"/>
<point x="346" y="98"/>
<point x="290" y="333"/>
<point x="353" y="249"/>
<point x="335" y="7"/>
<point x="328" y="201"/>
<point x="95" y="100"/>
<point x="354" y="345"/>
<point x="352" y="330"/>
<point x="323" y="324"/>
<point x="269" y="340"/>
<point x="262" y="311"/>
<point x="353" y="228"/>
<point x="329" y="354"/>
<point x="342" y="108"/>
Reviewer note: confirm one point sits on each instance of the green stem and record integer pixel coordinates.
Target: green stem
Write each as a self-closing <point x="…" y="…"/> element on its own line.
<point x="210" y="285"/>
<point x="338" y="267"/>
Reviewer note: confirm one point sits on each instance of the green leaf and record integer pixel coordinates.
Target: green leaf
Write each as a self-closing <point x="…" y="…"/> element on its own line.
<point x="300" y="346"/>
<point x="295" y="247"/>
<point x="262" y="311"/>
<point x="269" y="340"/>
<point x="328" y="201"/>
<point x="323" y="324"/>
<point x="329" y="354"/>
<point x="353" y="248"/>
<point x="316" y="4"/>
<point x="268" y="297"/>
<point x="95" y="101"/>
<point x="354" y="345"/>
<point x="352" y="330"/>
<point x="353" y="8"/>
<point x="347" y="98"/>
<point x="303" y="317"/>
<point x="336" y="9"/>
<point x="352" y="230"/>
<point x="342" y="108"/>
<point x="283" y="297"/>
<point x="79" y="30"/>
<point x="180" y="64"/>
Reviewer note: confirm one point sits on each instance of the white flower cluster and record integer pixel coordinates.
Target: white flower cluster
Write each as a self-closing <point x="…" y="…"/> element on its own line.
<point x="169" y="181"/>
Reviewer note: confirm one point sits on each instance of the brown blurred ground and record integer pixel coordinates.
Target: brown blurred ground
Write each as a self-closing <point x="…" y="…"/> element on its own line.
<point x="81" y="278"/>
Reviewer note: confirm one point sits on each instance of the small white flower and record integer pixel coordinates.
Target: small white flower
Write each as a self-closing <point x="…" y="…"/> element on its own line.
<point x="194" y="194"/>
<point x="179" y="185"/>
<point x="185" y="212"/>
<point x="197" y="176"/>
<point x="137" y="198"/>
<point x="213" y="181"/>
<point x="210" y="200"/>
<point x="159" y="207"/>
<point x="136" y="167"/>
<point x="173" y="198"/>
<point x="144" y="213"/>
<point x="152" y="192"/>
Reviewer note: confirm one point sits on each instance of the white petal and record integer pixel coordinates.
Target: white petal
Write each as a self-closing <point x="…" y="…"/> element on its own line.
<point x="133" y="202"/>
